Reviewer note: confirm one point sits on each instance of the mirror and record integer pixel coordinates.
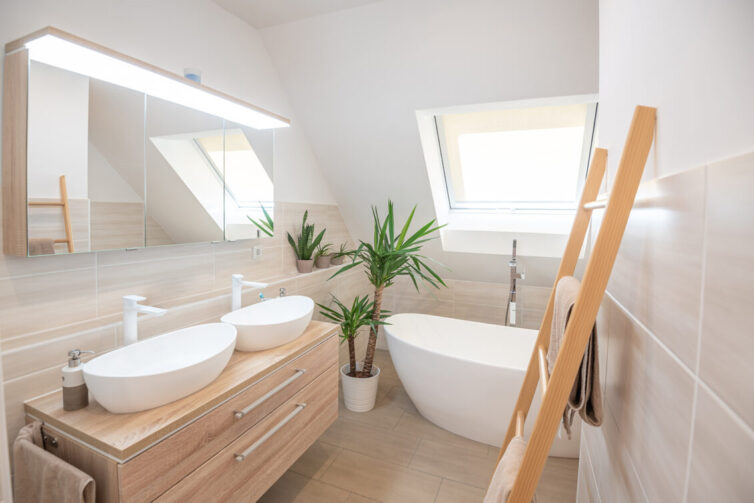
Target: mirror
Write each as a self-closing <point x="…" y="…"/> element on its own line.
<point x="184" y="189"/>
<point x="249" y="206"/>
<point x="85" y="165"/>
<point x="112" y="168"/>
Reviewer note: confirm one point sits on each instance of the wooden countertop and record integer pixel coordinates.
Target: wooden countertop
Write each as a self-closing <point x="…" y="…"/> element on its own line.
<point x="124" y="435"/>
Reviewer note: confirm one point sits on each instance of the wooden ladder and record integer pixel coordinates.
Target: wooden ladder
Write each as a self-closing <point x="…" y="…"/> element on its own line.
<point x="63" y="203"/>
<point x="557" y="386"/>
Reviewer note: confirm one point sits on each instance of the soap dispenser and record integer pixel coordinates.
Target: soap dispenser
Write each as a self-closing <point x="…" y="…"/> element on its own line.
<point x="75" y="392"/>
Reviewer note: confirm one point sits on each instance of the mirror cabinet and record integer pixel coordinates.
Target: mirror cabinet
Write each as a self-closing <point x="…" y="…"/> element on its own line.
<point x="102" y="152"/>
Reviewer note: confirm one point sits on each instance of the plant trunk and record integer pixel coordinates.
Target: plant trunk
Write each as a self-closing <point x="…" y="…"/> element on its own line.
<point x="351" y="357"/>
<point x="372" y="344"/>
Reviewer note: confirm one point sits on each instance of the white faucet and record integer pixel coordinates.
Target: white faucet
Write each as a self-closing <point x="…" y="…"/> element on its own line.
<point x="238" y="284"/>
<point x="131" y="308"/>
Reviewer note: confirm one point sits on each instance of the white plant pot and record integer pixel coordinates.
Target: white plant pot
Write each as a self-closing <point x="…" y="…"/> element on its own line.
<point x="359" y="393"/>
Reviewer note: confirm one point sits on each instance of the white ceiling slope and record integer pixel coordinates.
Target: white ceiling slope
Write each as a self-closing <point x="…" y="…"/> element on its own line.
<point x="265" y="13"/>
<point x="356" y="79"/>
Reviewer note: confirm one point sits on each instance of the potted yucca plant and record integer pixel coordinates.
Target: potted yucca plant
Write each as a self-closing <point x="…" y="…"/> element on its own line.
<point x="387" y="257"/>
<point x="323" y="256"/>
<point x="305" y="244"/>
<point x="359" y="394"/>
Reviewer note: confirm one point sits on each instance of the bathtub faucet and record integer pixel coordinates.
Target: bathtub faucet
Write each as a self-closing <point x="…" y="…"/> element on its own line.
<point x="510" y="310"/>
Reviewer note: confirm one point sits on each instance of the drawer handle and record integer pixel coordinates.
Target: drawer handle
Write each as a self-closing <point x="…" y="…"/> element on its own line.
<point x="241" y="413"/>
<point x="271" y="432"/>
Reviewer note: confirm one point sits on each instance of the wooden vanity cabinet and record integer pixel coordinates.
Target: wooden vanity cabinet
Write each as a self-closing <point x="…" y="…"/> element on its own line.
<point x="288" y="404"/>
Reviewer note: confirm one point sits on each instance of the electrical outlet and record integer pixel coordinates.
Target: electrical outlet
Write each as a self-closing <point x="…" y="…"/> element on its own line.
<point x="256" y="252"/>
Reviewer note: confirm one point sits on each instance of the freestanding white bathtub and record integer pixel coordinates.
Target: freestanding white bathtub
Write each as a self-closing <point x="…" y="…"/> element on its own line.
<point x="465" y="376"/>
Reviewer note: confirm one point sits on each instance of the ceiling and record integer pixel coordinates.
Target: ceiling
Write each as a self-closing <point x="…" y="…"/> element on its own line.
<point x="264" y="13"/>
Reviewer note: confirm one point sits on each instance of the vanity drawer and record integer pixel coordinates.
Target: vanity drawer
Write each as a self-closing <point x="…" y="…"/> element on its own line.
<point x="158" y="468"/>
<point x="271" y="446"/>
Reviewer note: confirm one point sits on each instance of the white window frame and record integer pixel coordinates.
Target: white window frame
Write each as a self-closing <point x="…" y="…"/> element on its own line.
<point x="521" y="206"/>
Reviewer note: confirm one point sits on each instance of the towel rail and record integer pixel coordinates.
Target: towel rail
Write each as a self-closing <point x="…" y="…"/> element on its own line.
<point x="557" y="386"/>
<point x="520" y="420"/>
<point x="544" y="374"/>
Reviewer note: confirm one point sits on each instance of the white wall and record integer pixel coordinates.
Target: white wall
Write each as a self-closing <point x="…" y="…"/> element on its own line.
<point x="105" y="183"/>
<point x="174" y="34"/>
<point x="58" y="130"/>
<point x="356" y="78"/>
<point x="694" y="61"/>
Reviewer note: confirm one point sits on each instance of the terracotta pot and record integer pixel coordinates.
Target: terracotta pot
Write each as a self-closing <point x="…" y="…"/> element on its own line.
<point x="323" y="261"/>
<point x="305" y="265"/>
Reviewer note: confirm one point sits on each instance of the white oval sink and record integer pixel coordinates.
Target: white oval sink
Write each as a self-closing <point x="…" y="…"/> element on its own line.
<point x="160" y="370"/>
<point x="271" y="323"/>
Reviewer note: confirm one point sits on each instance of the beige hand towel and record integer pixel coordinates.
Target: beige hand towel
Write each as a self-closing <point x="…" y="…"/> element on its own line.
<point x="586" y="394"/>
<point x="41" y="246"/>
<point x="41" y="477"/>
<point x="505" y="473"/>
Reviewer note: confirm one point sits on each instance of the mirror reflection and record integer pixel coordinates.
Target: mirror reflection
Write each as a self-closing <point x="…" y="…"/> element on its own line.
<point x="85" y="166"/>
<point x="184" y="191"/>
<point x="110" y="168"/>
<point x="249" y="207"/>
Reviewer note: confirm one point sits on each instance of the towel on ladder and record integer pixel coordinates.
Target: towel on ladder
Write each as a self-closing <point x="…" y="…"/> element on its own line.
<point x="505" y="473"/>
<point x="41" y="246"/>
<point x="42" y="477"/>
<point x="586" y="394"/>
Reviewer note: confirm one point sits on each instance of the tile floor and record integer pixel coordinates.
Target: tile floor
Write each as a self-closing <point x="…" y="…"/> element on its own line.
<point x="392" y="454"/>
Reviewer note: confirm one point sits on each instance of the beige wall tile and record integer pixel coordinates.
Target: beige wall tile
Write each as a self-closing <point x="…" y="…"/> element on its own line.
<point x="657" y="274"/>
<point x="24" y="388"/>
<point x="471" y="292"/>
<point x="381" y="481"/>
<point x="26" y="266"/>
<point x="727" y="348"/>
<point x="44" y="301"/>
<point x="722" y="454"/>
<point x="533" y="297"/>
<point x="269" y="265"/>
<point x="587" y="485"/>
<point x="650" y="396"/>
<point x="159" y="281"/>
<point x="116" y="225"/>
<point x="484" y="313"/>
<point x="423" y="306"/>
<point x="616" y="479"/>
<point x="36" y="357"/>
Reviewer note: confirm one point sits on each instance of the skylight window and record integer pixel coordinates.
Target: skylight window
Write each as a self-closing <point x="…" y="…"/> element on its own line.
<point x="516" y="159"/>
<point x="246" y="180"/>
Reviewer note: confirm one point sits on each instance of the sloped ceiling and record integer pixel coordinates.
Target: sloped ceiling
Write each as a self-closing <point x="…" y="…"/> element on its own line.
<point x="356" y="78"/>
<point x="264" y="13"/>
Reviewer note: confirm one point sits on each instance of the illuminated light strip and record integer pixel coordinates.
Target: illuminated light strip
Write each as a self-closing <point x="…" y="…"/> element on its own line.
<point x="61" y="53"/>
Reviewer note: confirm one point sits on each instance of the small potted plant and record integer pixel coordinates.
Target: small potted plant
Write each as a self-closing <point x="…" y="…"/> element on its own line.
<point x="340" y="256"/>
<point x="266" y="225"/>
<point x="305" y="244"/>
<point x="359" y="392"/>
<point x="323" y="256"/>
